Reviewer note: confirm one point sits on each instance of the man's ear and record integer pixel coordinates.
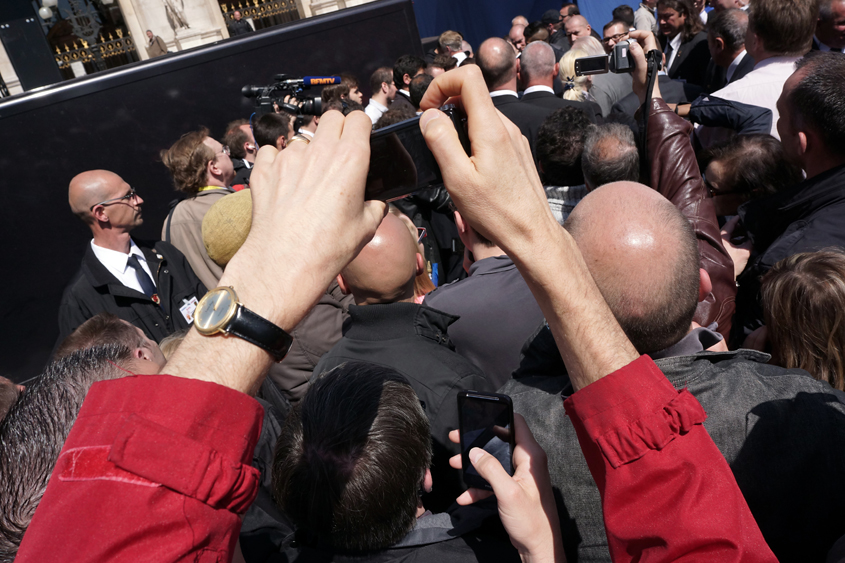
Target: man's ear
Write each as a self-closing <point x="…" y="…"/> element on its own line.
<point x="556" y="70"/>
<point x="407" y="79"/>
<point x="99" y="214"/>
<point x="249" y="147"/>
<point x="281" y="142"/>
<point x="420" y="264"/>
<point x="385" y="87"/>
<point x="463" y="229"/>
<point x="720" y="44"/>
<point x="808" y="141"/>
<point x="344" y="288"/>
<point x="705" y="286"/>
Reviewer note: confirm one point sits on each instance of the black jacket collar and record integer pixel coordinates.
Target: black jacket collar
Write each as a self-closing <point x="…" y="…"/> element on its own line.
<point x="100" y="277"/>
<point x="397" y="320"/>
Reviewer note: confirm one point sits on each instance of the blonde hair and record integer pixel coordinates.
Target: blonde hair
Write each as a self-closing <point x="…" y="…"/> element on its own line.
<point x="574" y="87"/>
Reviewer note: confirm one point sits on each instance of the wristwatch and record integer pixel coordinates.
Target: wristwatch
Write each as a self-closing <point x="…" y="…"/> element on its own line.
<point x="220" y="312"/>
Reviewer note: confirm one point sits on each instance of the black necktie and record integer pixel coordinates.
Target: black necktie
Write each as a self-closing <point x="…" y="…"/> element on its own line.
<point x="144" y="279"/>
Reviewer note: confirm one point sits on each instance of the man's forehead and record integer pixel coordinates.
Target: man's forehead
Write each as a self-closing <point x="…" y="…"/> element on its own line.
<point x="212" y="144"/>
<point x="614" y="30"/>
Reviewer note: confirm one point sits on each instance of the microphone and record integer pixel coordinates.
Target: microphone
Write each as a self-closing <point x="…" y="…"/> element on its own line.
<point x="320" y="80"/>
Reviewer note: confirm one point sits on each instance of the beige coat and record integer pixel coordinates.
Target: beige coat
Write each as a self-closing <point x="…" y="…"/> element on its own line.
<point x="186" y="234"/>
<point x="157" y="48"/>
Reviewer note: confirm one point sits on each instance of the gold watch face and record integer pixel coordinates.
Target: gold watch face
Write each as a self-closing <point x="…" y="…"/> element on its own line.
<point x="215" y="310"/>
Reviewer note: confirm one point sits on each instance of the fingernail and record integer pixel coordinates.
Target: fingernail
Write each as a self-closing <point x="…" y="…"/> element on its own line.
<point x="427" y="117"/>
<point x="475" y="454"/>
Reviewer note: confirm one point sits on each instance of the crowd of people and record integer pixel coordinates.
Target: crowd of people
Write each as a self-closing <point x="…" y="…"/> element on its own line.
<point x="652" y="268"/>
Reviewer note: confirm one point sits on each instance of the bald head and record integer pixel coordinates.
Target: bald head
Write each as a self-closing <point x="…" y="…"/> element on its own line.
<point x="497" y="62"/>
<point x="643" y="256"/>
<point x="576" y="27"/>
<point x="92" y="187"/>
<point x="384" y="270"/>
<point x="537" y="64"/>
<point x="516" y="37"/>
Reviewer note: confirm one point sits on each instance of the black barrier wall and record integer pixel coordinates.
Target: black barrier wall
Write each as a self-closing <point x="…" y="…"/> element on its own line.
<point x="119" y="120"/>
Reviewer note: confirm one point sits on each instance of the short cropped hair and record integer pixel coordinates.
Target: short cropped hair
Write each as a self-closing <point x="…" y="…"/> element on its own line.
<point x="383" y="75"/>
<point x="351" y="458"/>
<point x="730" y="25"/>
<point x="270" y="127"/>
<point x="536" y="61"/>
<point x="754" y="166"/>
<point x="394" y="115"/>
<point x="497" y="70"/>
<point x="804" y="309"/>
<point x="103" y="328"/>
<point x="571" y="9"/>
<point x="615" y="21"/>
<point x="819" y="98"/>
<point x="35" y="430"/>
<point x="610" y="155"/>
<point x="235" y="138"/>
<point x="785" y="27"/>
<point x="624" y="13"/>
<point x="334" y="93"/>
<point x="560" y="142"/>
<point x="406" y="64"/>
<point x="418" y="87"/>
<point x="187" y="161"/>
<point x="536" y="31"/>
<point x="445" y="62"/>
<point x="450" y="40"/>
<point x="8" y="396"/>
<point x="692" y="23"/>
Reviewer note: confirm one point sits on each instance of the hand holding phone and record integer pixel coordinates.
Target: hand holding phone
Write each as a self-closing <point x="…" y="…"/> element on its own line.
<point x="525" y="500"/>
<point x="486" y="422"/>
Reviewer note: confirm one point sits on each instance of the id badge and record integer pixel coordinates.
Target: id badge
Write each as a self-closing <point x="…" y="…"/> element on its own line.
<point x="189" y="306"/>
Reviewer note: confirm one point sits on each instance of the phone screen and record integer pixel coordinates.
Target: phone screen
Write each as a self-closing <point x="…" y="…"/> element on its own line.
<point x="400" y="162"/>
<point x="591" y="65"/>
<point x="486" y="421"/>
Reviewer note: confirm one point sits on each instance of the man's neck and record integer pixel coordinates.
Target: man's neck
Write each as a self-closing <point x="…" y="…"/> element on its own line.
<point x="481" y="251"/>
<point x="113" y="240"/>
<point x="510" y="85"/>
<point x="381" y="98"/>
<point x="213" y="181"/>
<point x="542" y="82"/>
<point x="250" y="157"/>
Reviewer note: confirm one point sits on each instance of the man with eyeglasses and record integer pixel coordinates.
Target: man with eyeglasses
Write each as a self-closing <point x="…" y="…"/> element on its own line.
<point x="202" y="169"/>
<point x="614" y="32"/>
<point x="148" y="284"/>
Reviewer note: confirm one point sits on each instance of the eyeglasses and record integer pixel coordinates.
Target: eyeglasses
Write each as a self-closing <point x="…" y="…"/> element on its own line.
<point x="421" y="234"/>
<point x="132" y="193"/>
<point x="225" y="150"/>
<point x="614" y="38"/>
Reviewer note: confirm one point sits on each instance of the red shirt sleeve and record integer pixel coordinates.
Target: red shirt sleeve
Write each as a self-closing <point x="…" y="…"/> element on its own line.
<point x="156" y="468"/>
<point x="667" y="492"/>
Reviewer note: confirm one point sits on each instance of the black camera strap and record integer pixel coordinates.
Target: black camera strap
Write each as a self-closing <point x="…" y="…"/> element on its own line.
<point x="653" y="62"/>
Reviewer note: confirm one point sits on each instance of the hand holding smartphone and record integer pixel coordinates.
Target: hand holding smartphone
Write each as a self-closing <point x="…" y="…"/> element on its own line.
<point x="486" y="422"/>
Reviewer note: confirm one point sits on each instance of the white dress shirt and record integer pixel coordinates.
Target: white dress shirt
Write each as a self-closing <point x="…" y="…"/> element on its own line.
<point x="675" y="42"/>
<point x="497" y="93"/>
<point x="375" y="110"/>
<point x="460" y="56"/>
<point x="538" y="88"/>
<point x="734" y="63"/>
<point x="760" y="87"/>
<point x="305" y="133"/>
<point x="117" y="264"/>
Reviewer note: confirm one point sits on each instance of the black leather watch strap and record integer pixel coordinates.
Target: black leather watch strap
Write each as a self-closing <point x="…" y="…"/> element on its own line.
<point x="261" y="332"/>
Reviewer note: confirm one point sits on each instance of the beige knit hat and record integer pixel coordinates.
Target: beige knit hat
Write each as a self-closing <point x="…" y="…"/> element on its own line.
<point x="226" y="225"/>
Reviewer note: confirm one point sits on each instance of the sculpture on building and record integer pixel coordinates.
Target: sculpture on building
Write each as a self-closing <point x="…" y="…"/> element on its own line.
<point x="176" y="14"/>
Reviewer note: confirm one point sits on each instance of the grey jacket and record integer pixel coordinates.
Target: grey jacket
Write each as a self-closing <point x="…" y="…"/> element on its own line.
<point x="781" y="431"/>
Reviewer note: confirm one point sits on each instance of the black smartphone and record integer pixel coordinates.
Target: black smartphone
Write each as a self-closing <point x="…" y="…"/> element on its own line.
<point x="591" y="65"/>
<point x="486" y="422"/>
<point x="400" y="162"/>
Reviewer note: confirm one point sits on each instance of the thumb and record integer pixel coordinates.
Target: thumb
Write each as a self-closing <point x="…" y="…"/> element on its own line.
<point x="442" y="139"/>
<point x="492" y="471"/>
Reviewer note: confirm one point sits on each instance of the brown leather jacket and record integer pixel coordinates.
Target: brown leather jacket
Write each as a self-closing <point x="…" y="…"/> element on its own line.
<point x="675" y="174"/>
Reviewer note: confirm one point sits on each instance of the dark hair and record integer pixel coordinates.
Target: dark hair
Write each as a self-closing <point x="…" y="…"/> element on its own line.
<point x="351" y="457"/>
<point x="235" y="138"/>
<point x="572" y="9"/>
<point x="269" y="127"/>
<point x="533" y="29"/>
<point x="497" y="70"/>
<point x="187" y="159"/>
<point x="624" y="13"/>
<point x="334" y="93"/>
<point x="818" y="100"/>
<point x="560" y="142"/>
<point x="394" y="115"/>
<point x="418" y="87"/>
<point x="785" y="27"/>
<point x="655" y="321"/>
<point x="446" y="62"/>
<point x="730" y="25"/>
<point x="380" y="76"/>
<point x="34" y="431"/>
<point x="349" y="79"/>
<point x="406" y="64"/>
<point x="804" y="309"/>
<point x="692" y="23"/>
<point x="103" y="328"/>
<point x="8" y="396"/>
<point x="610" y="155"/>
<point x="753" y="165"/>
<point x="613" y="22"/>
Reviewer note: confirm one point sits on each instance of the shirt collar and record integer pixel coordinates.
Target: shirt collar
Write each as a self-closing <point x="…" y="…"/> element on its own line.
<point x="460" y="57"/>
<point x="538" y="88"/>
<point x="378" y="106"/>
<point x="734" y="63"/>
<point x="497" y="93"/>
<point x="676" y="41"/>
<point x="305" y="132"/>
<point x="114" y="259"/>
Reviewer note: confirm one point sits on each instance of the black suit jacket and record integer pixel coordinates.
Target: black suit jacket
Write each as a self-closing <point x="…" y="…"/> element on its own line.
<point x="401" y="100"/>
<point x="550" y="103"/>
<point x="716" y="75"/>
<point x="691" y="60"/>
<point x="525" y="116"/>
<point x="672" y="92"/>
<point x="95" y="290"/>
